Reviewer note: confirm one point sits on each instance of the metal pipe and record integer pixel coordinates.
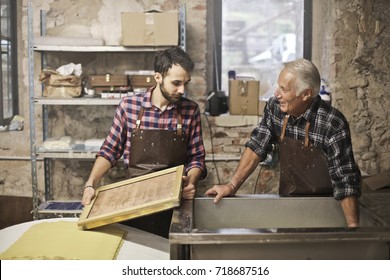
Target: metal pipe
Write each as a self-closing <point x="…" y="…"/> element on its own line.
<point x="208" y="159"/>
<point x="222" y="158"/>
<point x="16" y="158"/>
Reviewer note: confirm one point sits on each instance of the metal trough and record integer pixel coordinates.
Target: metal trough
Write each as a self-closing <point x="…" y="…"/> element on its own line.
<point x="271" y="227"/>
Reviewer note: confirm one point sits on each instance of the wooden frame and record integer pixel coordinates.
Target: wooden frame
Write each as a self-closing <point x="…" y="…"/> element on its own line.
<point x="133" y="198"/>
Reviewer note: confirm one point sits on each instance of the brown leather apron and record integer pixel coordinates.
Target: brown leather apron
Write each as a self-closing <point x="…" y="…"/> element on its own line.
<point x="150" y="151"/>
<point x="303" y="167"/>
<point x="153" y="150"/>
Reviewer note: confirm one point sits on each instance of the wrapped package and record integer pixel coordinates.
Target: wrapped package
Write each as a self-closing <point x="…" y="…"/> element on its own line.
<point x="59" y="86"/>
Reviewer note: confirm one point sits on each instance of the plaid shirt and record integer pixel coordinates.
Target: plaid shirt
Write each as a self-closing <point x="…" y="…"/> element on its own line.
<point x="118" y="141"/>
<point x="329" y="132"/>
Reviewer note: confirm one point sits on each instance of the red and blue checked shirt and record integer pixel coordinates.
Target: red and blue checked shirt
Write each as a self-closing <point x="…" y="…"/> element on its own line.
<point x="118" y="141"/>
<point x="329" y="132"/>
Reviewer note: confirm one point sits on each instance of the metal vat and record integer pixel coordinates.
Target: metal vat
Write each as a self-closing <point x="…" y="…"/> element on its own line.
<point x="271" y="227"/>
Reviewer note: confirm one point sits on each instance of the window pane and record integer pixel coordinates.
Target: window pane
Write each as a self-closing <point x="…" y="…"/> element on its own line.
<point x="6" y="79"/>
<point x="5" y="18"/>
<point x="8" y="65"/>
<point x="258" y="36"/>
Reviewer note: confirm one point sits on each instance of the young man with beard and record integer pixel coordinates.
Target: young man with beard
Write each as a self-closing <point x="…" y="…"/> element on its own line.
<point x="170" y="125"/>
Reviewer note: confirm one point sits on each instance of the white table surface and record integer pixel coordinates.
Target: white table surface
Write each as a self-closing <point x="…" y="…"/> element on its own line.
<point x="137" y="245"/>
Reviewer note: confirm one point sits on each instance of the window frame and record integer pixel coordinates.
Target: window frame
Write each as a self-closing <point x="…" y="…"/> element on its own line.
<point x="215" y="37"/>
<point x="13" y="65"/>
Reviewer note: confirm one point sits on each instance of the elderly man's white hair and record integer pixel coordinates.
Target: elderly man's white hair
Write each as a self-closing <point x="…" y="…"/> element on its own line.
<point x="307" y="75"/>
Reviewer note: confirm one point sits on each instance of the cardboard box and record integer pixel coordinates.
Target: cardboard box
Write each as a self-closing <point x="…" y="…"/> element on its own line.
<point x="376" y="183"/>
<point x="151" y="28"/>
<point x="244" y="97"/>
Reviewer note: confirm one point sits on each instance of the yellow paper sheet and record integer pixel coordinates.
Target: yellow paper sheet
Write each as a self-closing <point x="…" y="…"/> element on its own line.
<point x="64" y="240"/>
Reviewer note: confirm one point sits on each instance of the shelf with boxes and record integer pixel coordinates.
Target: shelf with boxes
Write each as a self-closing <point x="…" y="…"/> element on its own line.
<point x="78" y="150"/>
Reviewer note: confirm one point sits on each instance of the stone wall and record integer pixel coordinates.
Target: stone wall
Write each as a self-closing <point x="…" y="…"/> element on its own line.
<point x="359" y="77"/>
<point x="352" y="52"/>
<point x="350" y="47"/>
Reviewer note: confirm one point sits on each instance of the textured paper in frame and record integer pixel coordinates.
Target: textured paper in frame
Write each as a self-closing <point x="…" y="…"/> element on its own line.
<point x="133" y="198"/>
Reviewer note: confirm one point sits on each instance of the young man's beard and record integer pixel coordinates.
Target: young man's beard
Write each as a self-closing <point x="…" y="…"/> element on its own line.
<point x="170" y="98"/>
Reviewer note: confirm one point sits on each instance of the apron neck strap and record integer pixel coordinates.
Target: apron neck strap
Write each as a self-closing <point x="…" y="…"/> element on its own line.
<point x="179" y="120"/>
<point x="283" y="134"/>
<point x="138" y="122"/>
<point x="285" y="121"/>
<point x="307" y="134"/>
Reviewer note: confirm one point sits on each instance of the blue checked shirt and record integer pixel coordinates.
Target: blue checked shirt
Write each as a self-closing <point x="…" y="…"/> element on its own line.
<point x="329" y="132"/>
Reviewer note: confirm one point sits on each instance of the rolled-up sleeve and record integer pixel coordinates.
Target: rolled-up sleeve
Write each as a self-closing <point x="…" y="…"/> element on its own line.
<point x="262" y="136"/>
<point x="343" y="170"/>
<point x="195" y="149"/>
<point x="113" y="146"/>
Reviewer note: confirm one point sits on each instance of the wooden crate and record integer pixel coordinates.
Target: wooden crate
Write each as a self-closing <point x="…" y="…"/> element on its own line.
<point x="142" y="81"/>
<point x="108" y="80"/>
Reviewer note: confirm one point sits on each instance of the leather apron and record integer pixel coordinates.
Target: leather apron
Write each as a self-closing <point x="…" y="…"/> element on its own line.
<point x="150" y="151"/>
<point x="303" y="167"/>
<point x="153" y="150"/>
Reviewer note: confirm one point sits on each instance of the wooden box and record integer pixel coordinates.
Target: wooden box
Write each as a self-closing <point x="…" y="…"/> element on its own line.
<point x="108" y="80"/>
<point x="142" y="81"/>
<point x="133" y="198"/>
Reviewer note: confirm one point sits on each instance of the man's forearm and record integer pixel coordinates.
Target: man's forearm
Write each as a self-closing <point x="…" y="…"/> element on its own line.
<point x="194" y="175"/>
<point x="100" y="167"/>
<point x="248" y="163"/>
<point x="350" y="207"/>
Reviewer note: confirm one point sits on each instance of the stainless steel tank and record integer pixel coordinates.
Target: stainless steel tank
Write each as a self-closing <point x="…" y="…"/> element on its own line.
<point x="271" y="227"/>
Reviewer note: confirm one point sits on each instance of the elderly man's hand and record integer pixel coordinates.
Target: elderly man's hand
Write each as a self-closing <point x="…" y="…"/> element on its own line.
<point x="221" y="191"/>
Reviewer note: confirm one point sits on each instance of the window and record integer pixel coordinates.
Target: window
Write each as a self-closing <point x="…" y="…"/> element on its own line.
<point x="9" y="83"/>
<point x="254" y="38"/>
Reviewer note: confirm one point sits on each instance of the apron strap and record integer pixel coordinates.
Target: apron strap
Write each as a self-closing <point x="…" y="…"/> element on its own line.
<point x="285" y="121"/>
<point x="138" y="122"/>
<point x="283" y="134"/>
<point x="179" y="120"/>
<point x="307" y="134"/>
